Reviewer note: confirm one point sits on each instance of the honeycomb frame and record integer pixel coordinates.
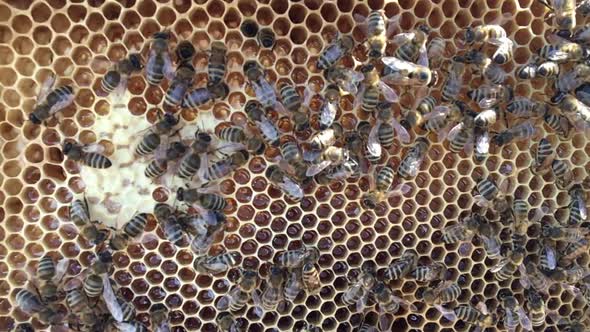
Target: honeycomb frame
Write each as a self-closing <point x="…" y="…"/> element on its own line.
<point x="62" y="36"/>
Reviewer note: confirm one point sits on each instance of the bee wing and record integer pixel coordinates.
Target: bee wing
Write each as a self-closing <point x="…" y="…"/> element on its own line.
<point x="500" y="265"/>
<point x="317" y="168"/>
<point x="362" y="302"/>
<point x="359" y="96"/>
<point x="60" y="269"/>
<point x="482" y="143"/>
<point x="267" y="128"/>
<point x="438" y="111"/>
<point x="354" y="79"/>
<point x="362" y="23"/>
<point x="405" y="303"/>
<point x="125" y="327"/>
<point x="448" y="314"/>
<point x="328" y="112"/>
<point x="311" y="155"/>
<point x="404" y="37"/>
<point x="384" y="320"/>
<point x="202" y="173"/>
<point x="223" y="303"/>
<point x="482" y="307"/>
<point x="308" y="93"/>
<point x="423" y="56"/>
<point x="93" y="148"/>
<point x="402" y="132"/>
<point x="373" y="145"/>
<point x="122" y="87"/>
<point x="551" y="257"/>
<point x="291" y="187"/>
<point x="111" y="300"/>
<point x="455" y="131"/>
<point x="389" y="94"/>
<point x="502" y="41"/>
<point x="582" y="206"/>
<point x="524" y="278"/>
<point x="487" y="102"/>
<point x="163" y="327"/>
<point x="443" y="133"/>
<point x="45" y="89"/>
<point x="524" y="320"/>
<point x="399" y="190"/>
<point x="169" y="71"/>
<point x="392" y="25"/>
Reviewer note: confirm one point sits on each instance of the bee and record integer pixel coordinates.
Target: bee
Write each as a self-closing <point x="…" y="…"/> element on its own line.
<point x="562" y="173"/>
<point x="226" y="322"/>
<point x="386" y="126"/>
<point x="548" y="255"/>
<point x="334" y="52"/>
<point x="216" y="264"/>
<point x="536" y="307"/>
<point x="507" y="266"/>
<point x="489" y="70"/>
<point x="295" y="104"/>
<point x="522" y="131"/>
<point x="159" y="165"/>
<point x="323" y="139"/>
<point x="200" y="96"/>
<point x="185" y="51"/>
<point x="376" y="34"/>
<point x="267" y="129"/>
<point x="116" y="77"/>
<point x="454" y="81"/>
<point x="293" y="285"/>
<point x="223" y="167"/>
<point x="559" y="123"/>
<point x="290" y="188"/>
<point x="407" y="73"/>
<point x="172" y="230"/>
<point x="413" y="49"/>
<point x="311" y="276"/>
<point x="577" y="206"/>
<point x="359" y="291"/>
<point x="436" y="49"/>
<point x="488" y="96"/>
<point x="410" y="164"/>
<point x="273" y="293"/>
<point x="526" y="108"/>
<point x="30" y="303"/>
<point x="477" y="316"/>
<point x="445" y="292"/>
<point x="133" y="325"/>
<point x="159" y="317"/>
<point x="331" y="156"/>
<point x="296" y="258"/>
<point x="388" y="303"/>
<point x="294" y="159"/>
<point x="504" y="52"/>
<point x="428" y="273"/>
<point x="86" y="154"/>
<point x="569" y="325"/>
<point x="464" y="230"/>
<point x="514" y="314"/>
<point x="482" y="142"/>
<point x="527" y="71"/>
<point x="24" y="327"/>
<point x="93" y="285"/>
<point x="266" y="38"/>
<point x="491" y="33"/>
<point x="76" y="301"/>
<point x="204" y="229"/>
<point x="238" y="135"/>
<point x="570" y="275"/>
<point x="572" y="79"/>
<point x="158" y="64"/>
<point x="564" y="13"/>
<point x="563" y="52"/>
<point x="371" y="89"/>
<point x="49" y="102"/>
<point x="558" y="232"/>
<point x="531" y="276"/>
<point x="548" y="69"/>
<point x="491" y="194"/>
<point x="239" y="296"/>
<point x="265" y="93"/>
<point x="130" y="230"/>
<point x="217" y="64"/>
<point x="345" y="79"/>
<point x="571" y="105"/>
<point x="151" y="140"/>
<point x="416" y="117"/>
<point x="209" y="201"/>
<point x="249" y="28"/>
<point x="461" y="136"/>
<point x="182" y="81"/>
<point x="330" y="106"/>
<point x="400" y="267"/>
<point x="380" y="188"/>
<point x="343" y="171"/>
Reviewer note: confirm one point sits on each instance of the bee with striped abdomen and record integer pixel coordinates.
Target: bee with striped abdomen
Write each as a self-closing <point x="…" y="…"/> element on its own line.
<point x="563" y="12"/>
<point x="267" y="129"/>
<point x="460" y="137"/>
<point x="410" y="164"/>
<point x="387" y="125"/>
<point x="200" y="96"/>
<point x="311" y="278"/>
<point x="49" y="102"/>
<point x="133" y="228"/>
<point x="407" y="73"/>
<point x="561" y="233"/>
<point x="514" y="314"/>
<point x="80" y="216"/>
<point x="223" y="167"/>
<point x="116" y="78"/>
<point x="151" y="140"/>
<point x="464" y="230"/>
<point x="209" y="201"/>
<point x="226" y="322"/>
<point x="239" y="296"/>
<point x="86" y="154"/>
<point x="478" y="315"/>
<point x="488" y="96"/>
<point x="527" y="71"/>
<point x="159" y="64"/>
<point x="445" y="292"/>
<point x="245" y="137"/>
<point x="562" y="172"/>
<point x="525" y="130"/>
<point x="330" y="55"/>
<point x="181" y="82"/>
<point x="543" y="156"/>
<point x="522" y="107"/>
<point x="415" y="117"/>
<point x="172" y="229"/>
<point x="216" y="264"/>
<point x="216" y="67"/>
<point x="532" y="277"/>
<point x="577" y="206"/>
<point x="330" y="106"/>
<point x="400" y="267"/>
<point x="492" y="72"/>
<point x="491" y="33"/>
<point x="572" y="107"/>
<point x="389" y="303"/>
<point x="184" y="51"/>
<point x="371" y="89"/>
<point x="431" y="272"/>
<point x="560" y="124"/>
<point x="345" y="79"/>
<point x="265" y="93"/>
<point x="297" y="257"/>
<point x="380" y="188"/>
<point x="507" y="266"/>
<point x="330" y="157"/>
<point x="340" y="172"/>
<point x="453" y="82"/>
<point x="563" y="51"/>
<point x="32" y="304"/>
<point x="273" y="293"/>
<point x="359" y="291"/>
<point x="412" y="46"/>
<point x="290" y="188"/>
<point x="489" y="193"/>
<point x="266" y="38"/>
<point x="536" y="307"/>
<point x="293" y="285"/>
<point x="298" y="106"/>
<point x="159" y="165"/>
<point x="159" y="317"/>
<point x="376" y="34"/>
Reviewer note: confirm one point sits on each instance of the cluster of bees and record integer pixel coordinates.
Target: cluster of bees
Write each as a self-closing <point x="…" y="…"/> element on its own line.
<point x="331" y="154"/>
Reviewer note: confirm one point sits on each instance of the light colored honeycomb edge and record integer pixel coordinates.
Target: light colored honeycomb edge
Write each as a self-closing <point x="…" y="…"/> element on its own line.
<point x="62" y="37"/>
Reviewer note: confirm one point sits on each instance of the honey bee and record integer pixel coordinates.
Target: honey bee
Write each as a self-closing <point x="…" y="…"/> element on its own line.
<point x="217" y="63"/>
<point x="504" y="52"/>
<point x="159" y="318"/>
<point x="32" y="304"/>
<point x="410" y="164"/>
<point x="371" y="89"/>
<point x="412" y="47"/>
<point x="559" y="123"/>
<point x="172" y="230"/>
<point x="531" y="276"/>
<point x="329" y="56"/>
<point x="238" y="135"/>
<point x="330" y="106"/>
<point x="488" y="96"/>
<point x="310" y="274"/>
<point x="445" y="292"/>
<point x="359" y="291"/>
<point x="265" y="93"/>
<point x="130" y="230"/>
<point x="464" y="230"/>
<point x="489" y="70"/>
<point x="323" y="139"/>
<point x="273" y="293"/>
<point x="200" y="96"/>
<point x="80" y="215"/>
<point x="380" y="188"/>
<point x="159" y="64"/>
<point x="527" y="71"/>
<point x="491" y="33"/>
<point x="525" y="108"/>
<point x="331" y="156"/>
<point x="562" y="172"/>
<point x="256" y="114"/>
<point x="547" y="255"/>
<point x="184" y="51"/>
<point x="181" y="82"/>
<point x="87" y="154"/>
<point x="241" y="294"/>
<point x="159" y="165"/>
<point x="577" y="206"/>
<point x="453" y="82"/>
<point x="489" y="194"/>
<point x="563" y="52"/>
<point x="386" y="127"/>
<point x="558" y="232"/>
<point x="570" y="105"/>
<point x="266" y="38"/>
<point x="536" y="307"/>
<point x="514" y="313"/>
<point x="151" y="140"/>
<point x="290" y="188"/>
<point x="428" y="273"/>
<point x="388" y="303"/>
<point x="223" y="167"/>
<point x="482" y="143"/>
<point x="296" y="258"/>
<point x="525" y="130"/>
<point x="548" y="69"/>
<point x="407" y="73"/>
<point x="341" y="172"/>
<point x="461" y="136"/>
<point x="296" y="105"/>
<point x="293" y="285"/>
<point x="346" y="79"/>
<point x="376" y="34"/>
<point x="50" y="276"/>
<point x="49" y="102"/>
<point x="572" y="79"/>
<point x="478" y="316"/>
<point x="216" y="264"/>
<point x="226" y="322"/>
<point x="507" y="266"/>
<point x="400" y="267"/>
<point x="206" y="200"/>
<point x="564" y="13"/>
<point x="415" y="117"/>
<point x="116" y="77"/>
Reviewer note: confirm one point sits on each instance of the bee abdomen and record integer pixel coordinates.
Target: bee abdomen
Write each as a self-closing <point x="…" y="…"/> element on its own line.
<point x="487" y="189"/>
<point x="155" y="169"/>
<point x="213" y="202"/>
<point x="189" y="166"/>
<point x="196" y="98"/>
<point x="450" y="294"/>
<point x="78" y="213"/>
<point x="466" y="313"/>
<point x="148" y="144"/>
<point x="46" y="268"/>
<point x="386" y="135"/>
<point x="136" y="225"/>
<point x="110" y="81"/>
<point x="385" y="178"/>
<point x="266" y="38"/>
<point x="96" y="160"/>
<point x="93" y="285"/>
<point x="216" y="73"/>
<point x="232" y="134"/>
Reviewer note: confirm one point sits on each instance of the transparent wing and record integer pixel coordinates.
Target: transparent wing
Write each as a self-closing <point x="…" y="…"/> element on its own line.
<point x="111" y="300"/>
<point x="500" y="265"/>
<point x="524" y="278"/>
<point x="223" y="303"/>
<point x="389" y="94"/>
<point x="125" y="327"/>
<point x="487" y="102"/>
<point x="328" y="113"/>
<point x="402" y="132"/>
<point x="423" y="56"/>
<point x="551" y="257"/>
<point x="557" y="55"/>
<point x="404" y="37"/>
<point x="45" y="89"/>
<point x="168" y="67"/>
<point x="501" y="42"/>
<point x="447" y="313"/>
<point x="362" y="302"/>
<point x="373" y="145"/>
<point x="482" y="307"/>
<point x="359" y="96"/>
<point x="582" y="206"/>
<point x="482" y="144"/>
<point x="524" y="320"/>
<point x="291" y="187"/>
<point x="384" y="320"/>
<point x="392" y="25"/>
<point x="399" y="190"/>
<point x="268" y="128"/>
<point x="308" y="93"/>
<point x="60" y="269"/>
<point x="455" y="131"/>
<point x="95" y="148"/>
<point x="510" y="317"/>
<point x="405" y="303"/>
<point x="317" y="168"/>
<point x="437" y="112"/>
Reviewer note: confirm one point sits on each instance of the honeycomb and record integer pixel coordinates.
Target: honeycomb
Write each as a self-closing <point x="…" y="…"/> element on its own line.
<point x="63" y="37"/>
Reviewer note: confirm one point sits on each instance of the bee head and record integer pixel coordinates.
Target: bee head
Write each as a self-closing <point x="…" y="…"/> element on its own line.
<point x="180" y="194"/>
<point x="24" y="327"/>
<point x="185" y="51"/>
<point x="367" y="68"/>
<point x="136" y="61"/>
<point x="375" y="53"/>
<point x="67" y="147"/>
<point x="170" y="119"/>
<point x="469" y="35"/>
<point x="34" y="119"/>
<point x="162" y="35"/>
<point x="220" y="90"/>
<point x="557" y="98"/>
<point x="370" y="201"/>
<point x="249" y="28"/>
<point x="565" y="24"/>
<point x="424" y="28"/>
